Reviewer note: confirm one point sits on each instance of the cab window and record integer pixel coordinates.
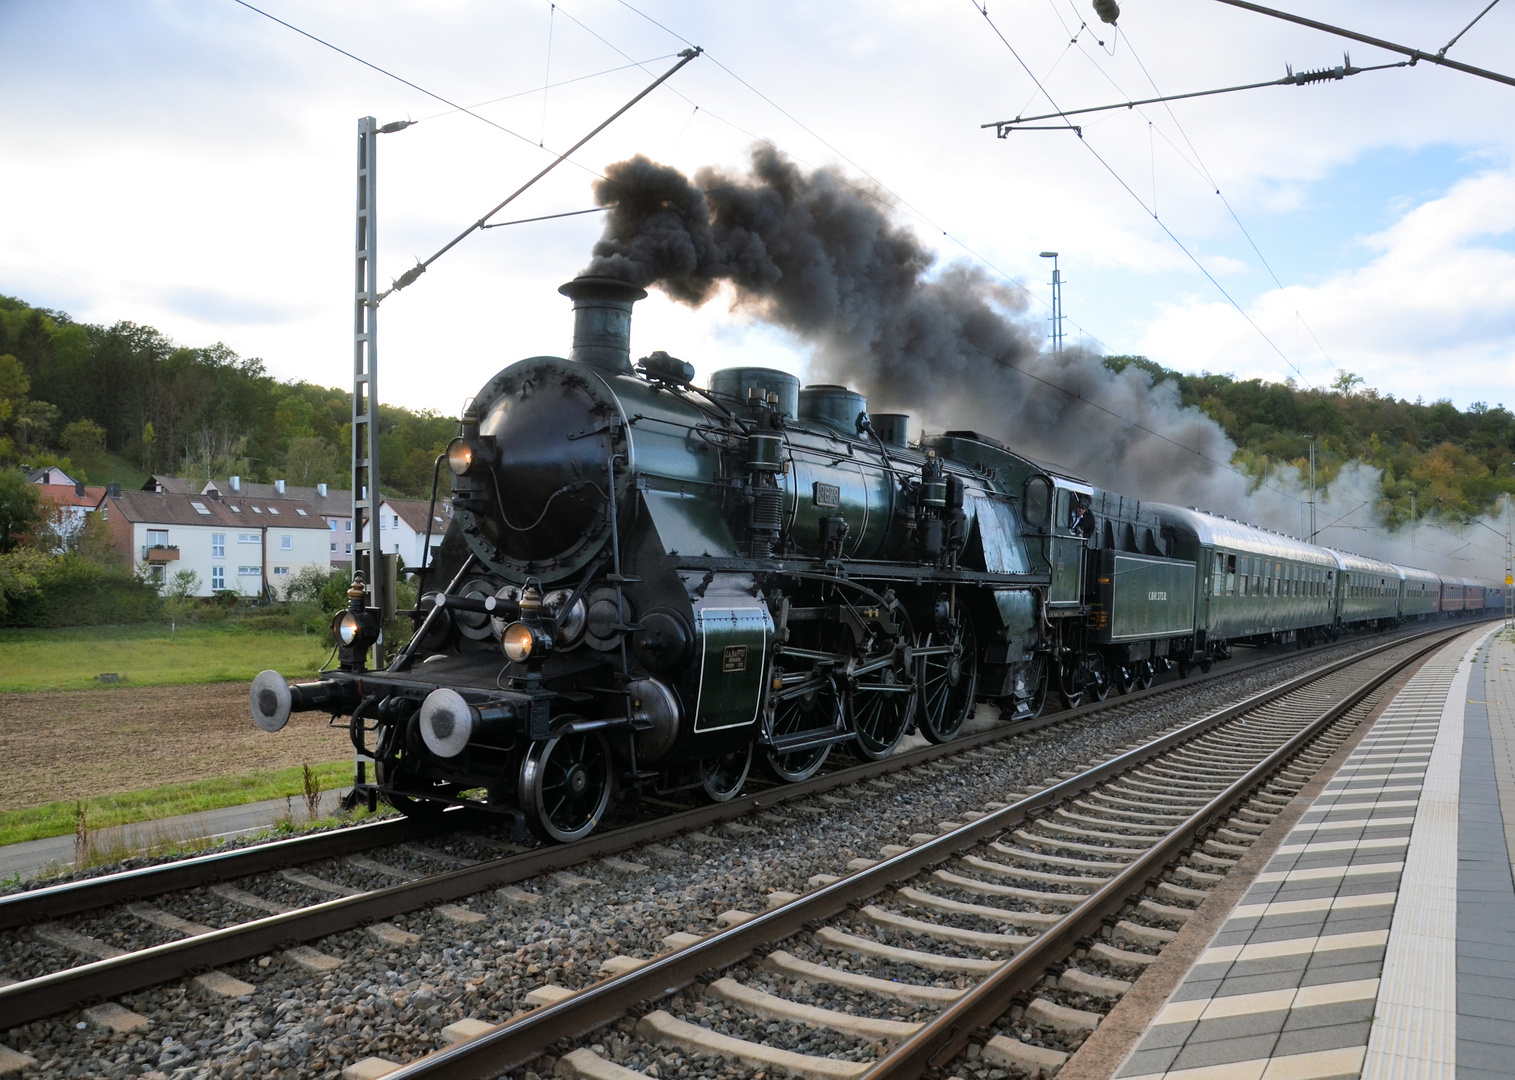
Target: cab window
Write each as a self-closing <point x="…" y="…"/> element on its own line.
<point x="1038" y="501"/>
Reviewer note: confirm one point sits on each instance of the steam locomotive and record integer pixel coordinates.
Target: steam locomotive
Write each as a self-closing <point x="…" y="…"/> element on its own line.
<point x="649" y="586"/>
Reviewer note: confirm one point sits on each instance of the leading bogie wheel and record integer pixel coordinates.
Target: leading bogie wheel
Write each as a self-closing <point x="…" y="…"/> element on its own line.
<point x="721" y="778"/>
<point x="565" y="785"/>
<point x="947" y="680"/>
<point x="407" y="804"/>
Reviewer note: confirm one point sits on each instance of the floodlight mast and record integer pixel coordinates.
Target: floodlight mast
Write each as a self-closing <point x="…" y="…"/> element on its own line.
<point x="1057" y="303"/>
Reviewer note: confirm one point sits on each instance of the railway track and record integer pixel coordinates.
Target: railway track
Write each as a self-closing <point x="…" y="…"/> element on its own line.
<point x="194" y="949"/>
<point x="1002" y="909"/>
<point x="84" y="894"/>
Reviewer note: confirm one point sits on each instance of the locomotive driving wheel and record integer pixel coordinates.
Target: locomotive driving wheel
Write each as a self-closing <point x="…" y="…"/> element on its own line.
<point x="813" y="705"/>
<point x="565" y="785"/>
<point x="947" y="675"/>
<point x="880" y="705"/>
<point x="721" y="778"/>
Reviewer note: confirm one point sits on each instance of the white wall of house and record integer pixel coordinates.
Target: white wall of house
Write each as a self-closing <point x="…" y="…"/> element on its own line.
<point x="226" y="558"/>
<point x="396" y="535"/>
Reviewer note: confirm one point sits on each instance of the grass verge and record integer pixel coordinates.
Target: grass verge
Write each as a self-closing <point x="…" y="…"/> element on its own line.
<point x="130" y="807"/>
<point x="70" y="658"/>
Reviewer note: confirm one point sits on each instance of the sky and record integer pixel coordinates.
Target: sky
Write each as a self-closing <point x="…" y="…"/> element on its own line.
<point x="189" y="164"/>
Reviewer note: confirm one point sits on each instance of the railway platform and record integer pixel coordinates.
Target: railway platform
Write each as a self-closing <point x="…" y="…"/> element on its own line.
<point x="1378" y="938"/>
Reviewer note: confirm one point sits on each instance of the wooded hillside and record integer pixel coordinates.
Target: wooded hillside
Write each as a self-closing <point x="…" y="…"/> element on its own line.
<point x="123" y="401"/>
<point x="1454" y="461"/>
<point x="118" y="402"/>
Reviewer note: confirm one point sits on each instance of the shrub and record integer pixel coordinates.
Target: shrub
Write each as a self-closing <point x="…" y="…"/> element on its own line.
<point x="38" y="588"/>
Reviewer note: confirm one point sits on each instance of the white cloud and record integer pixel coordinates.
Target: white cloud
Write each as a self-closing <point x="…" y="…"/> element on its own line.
<point x="1431" y="314"/>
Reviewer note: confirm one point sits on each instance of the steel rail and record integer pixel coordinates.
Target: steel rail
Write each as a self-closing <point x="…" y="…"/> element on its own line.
<point x="51" y="901"/>
<point x="942" y="1039"/>
<point x="519" y="1041"/>
<point x="69" y="898"/>
<point x="45" y="995"/>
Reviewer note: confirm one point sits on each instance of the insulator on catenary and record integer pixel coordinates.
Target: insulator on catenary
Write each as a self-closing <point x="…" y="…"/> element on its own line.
<point x="1107" y="10"/>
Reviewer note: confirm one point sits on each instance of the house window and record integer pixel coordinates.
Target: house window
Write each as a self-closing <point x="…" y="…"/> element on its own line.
<point x="218" y="545"/>
<point x="396" y="520"/>
<point x="280" y="571"/>
<point x="256" y="510"/>
<point x="348" y="524"/>
<point x="249" y="571"/>
<point x="302" y="513"/>
<point x="334" y="545"/>
<point x="218" y="577"/>
<point x="333" y="525"/>
<point x="273" y="509"/>
<point x="236" y="509"/>
<point x="200" y="508"/>
<point x="157" y="538"/>
<point x="349" y="549"/>
<point x="286" y="543"/>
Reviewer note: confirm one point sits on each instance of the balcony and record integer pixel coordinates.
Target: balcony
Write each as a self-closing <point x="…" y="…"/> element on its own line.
<point x="160" y="553"/>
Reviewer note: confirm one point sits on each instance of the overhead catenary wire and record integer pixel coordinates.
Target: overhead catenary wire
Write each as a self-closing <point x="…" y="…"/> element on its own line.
<point x="900" y="200"/>
<point x="1455" y="37"/>
<point x="1232" y="211"/>
<point x="414" y="86"/>
<point x="1130" y="191"/>
<point x="551" y="86"/>
<point x="420" y="268"/>
<point x="1415" y="55"/>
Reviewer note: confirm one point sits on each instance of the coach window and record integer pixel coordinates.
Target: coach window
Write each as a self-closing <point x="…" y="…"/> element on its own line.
<point x="1220" y="572"/>
<point x="1243" y="571"/>
<point x="1230" y="575"/>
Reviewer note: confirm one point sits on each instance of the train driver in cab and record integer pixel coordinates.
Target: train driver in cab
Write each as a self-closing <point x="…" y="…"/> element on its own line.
<point x="1082" y="519"/>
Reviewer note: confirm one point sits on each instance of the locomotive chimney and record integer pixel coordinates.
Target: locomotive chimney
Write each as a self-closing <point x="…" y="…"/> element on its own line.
<point x="602" y="321"/>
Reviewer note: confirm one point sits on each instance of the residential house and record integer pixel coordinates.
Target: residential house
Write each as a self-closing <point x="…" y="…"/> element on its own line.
<point x="333" y="504"/>
<point x="52" y="475"/>
<point x="403" y="528"/>
<point x="250" y="546"/>
<point x="67" y="507"/>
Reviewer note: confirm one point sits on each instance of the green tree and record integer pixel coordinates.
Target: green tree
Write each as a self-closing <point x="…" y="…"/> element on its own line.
<point x="20" y="512"/>
<point x="183" y="585"/>
<point x="1345" y="382"/>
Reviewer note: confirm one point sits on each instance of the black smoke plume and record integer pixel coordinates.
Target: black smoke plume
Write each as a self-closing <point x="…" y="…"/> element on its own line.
<point x="820" y="255"/>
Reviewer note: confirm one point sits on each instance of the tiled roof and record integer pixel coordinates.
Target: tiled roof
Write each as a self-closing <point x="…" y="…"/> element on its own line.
<point x="169" y="508"/>
<point x="413" y="513"/>
<point x="68" y="495"/>
<point x="337" y="502"/>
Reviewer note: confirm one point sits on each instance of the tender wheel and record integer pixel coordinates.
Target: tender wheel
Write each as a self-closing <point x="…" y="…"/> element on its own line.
<point x="721" y="778"/>
<point x="1069" y="688"/>
<point x="1145" y="674"/>
<point x="406" y="804"/>
<point x="1126" y="680"/>
<point x="1099" y="678"/>
<point x="1205" y="665"/>
<point x="880" y="709"/>
<point x="565" y="785"/>
<point x="947" y="681"/>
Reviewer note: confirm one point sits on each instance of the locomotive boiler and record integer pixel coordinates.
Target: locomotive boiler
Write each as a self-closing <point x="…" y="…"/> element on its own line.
<point x="648" y="586"/>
